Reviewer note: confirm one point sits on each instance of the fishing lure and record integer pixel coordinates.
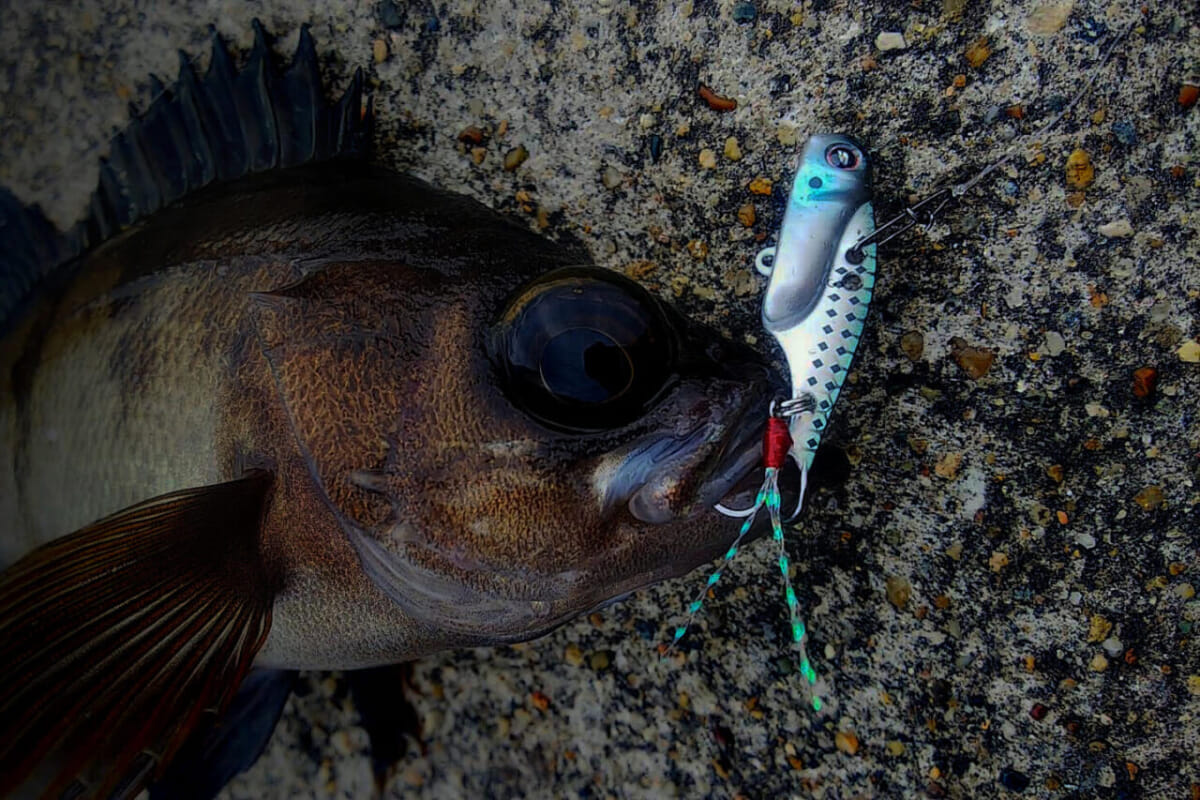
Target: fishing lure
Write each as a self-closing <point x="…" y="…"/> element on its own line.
<point x="818" y="291"/>
<point x="820" y="279"/>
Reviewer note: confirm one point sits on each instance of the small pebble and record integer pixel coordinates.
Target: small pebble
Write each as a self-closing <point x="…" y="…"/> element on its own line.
<point x="1080" y="172"/>
<point x="890" y="40"/>
<point x="540" y="701"/>
<point x="647" y="121"/>
<point x="1086" y="541"/>
<point x="732" y="150"/>
<point x="1054" y="344"/>
<point x="998" y="561"/>
<point x="1189" y="351"/>
<point x="953" y="9"/>
<point x="471" y="135"/>
<point x="708" y="159"/>
<point x="1013" y="780"/>
<point x="1125" y="132"/>
<point x="1098" y="629"/>
<point x="1038" y="712"/>
<point x="846" y="741"/>
<point x="573" y="655"/>
<point x="1117" y="229"/>
<point x="515" y="158"/>
<point x="656" y="147"/>
<point x="1098" y="663"/>
<point x="1144" y="381"/>
<point x="715" y="101"/>
<point x="760" y="185"/>
<point x="1187" y="95"/>
<point x="610" y="178"/>
<point x="389" y="15"/>
<point x="895" y="747"/>
<point x="742" y="282"/>
<point x="1055" y="471"/>
<point x="698" y="248"/>
<point x="1113" y="646"/>
<point x="947" y="466"/>
<point x="975" y="361"/>
<point x="978" y="52"/>
<point x="1048" y="18"/>
<point x="599" y="660"/>
<point x="913" y="345"/>
<point x="746" y="215"/>
<point x="1185" y="591"/>
<point x="744" y="13"/>
<point x="1149" y="498"/>
<point x="380" y="51"/>
<point x="899" y="591"/>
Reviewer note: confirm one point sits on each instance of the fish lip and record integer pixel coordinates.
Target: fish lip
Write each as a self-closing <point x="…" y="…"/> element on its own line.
<point x="739" y="455"/>
<point x="737" y="473"/>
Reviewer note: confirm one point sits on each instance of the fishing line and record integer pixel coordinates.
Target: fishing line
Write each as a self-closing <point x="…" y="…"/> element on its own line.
<point x="925" y="212"/>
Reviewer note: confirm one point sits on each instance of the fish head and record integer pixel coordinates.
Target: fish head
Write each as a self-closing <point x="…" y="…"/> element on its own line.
<point x="504" y="459"/>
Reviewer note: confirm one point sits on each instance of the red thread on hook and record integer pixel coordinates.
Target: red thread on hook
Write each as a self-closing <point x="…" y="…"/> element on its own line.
<point x="776" y="442"/>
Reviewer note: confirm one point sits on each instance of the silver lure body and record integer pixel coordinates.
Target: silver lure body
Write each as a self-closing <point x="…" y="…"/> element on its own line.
<point x="820" y="286"/>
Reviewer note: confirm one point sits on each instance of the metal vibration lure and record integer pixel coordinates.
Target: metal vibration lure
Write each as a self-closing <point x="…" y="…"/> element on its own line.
<point x="820" y="279"/>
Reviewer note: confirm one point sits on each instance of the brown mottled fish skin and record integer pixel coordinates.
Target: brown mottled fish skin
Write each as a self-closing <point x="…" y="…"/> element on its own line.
<point x="329" y="324"/>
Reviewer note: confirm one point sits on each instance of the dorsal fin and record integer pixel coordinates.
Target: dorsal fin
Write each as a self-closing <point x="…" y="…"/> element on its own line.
<point x="226" y="125"/>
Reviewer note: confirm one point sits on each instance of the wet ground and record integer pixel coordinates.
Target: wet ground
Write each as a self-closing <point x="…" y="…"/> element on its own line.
<point x="999" y="565"/>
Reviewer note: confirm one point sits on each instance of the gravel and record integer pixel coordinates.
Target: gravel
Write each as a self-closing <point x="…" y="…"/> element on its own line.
<point x="994" y="336"/>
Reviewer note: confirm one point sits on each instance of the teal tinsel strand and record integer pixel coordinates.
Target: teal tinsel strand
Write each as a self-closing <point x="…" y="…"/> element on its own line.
<point x="772" y="502"/>
<point x="698" y="603"/>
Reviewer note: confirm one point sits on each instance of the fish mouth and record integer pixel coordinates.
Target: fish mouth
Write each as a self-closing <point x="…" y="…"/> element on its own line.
<point x="738" y="474"/>
<point x="665" y="478"/>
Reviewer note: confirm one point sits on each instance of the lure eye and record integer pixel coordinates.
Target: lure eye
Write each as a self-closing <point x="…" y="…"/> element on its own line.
<point x="583" y="350"/>
<point x="843" y="156"/>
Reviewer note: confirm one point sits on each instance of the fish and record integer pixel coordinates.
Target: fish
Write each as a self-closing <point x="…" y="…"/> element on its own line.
<point x="271" y="406"/>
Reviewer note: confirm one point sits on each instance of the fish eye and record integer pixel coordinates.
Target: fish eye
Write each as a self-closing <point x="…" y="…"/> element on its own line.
<point x="843" y="156"/>
<point x="583" y="350"/>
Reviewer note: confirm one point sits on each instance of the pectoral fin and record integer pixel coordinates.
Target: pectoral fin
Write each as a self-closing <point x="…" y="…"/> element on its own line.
<point x="231" y="745"/>
<point x="118" y="640"/>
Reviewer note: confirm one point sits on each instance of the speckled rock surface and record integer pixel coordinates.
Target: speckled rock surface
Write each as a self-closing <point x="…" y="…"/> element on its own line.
<point x="999" y="565"/>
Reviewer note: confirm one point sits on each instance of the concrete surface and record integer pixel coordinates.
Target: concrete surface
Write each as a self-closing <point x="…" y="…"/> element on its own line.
<point x="984" y="550"/>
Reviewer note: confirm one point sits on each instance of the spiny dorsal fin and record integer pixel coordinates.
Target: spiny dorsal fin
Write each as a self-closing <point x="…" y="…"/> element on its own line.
<point x="226" y="125"/>
<point x="117" y="641"/>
